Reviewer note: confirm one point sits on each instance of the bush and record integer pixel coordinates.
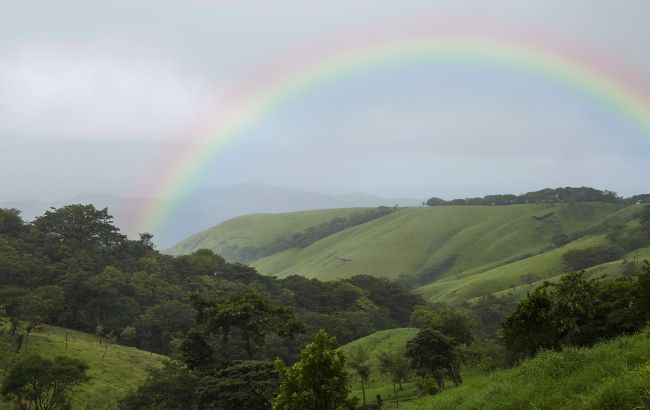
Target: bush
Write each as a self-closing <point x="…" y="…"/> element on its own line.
<point x="579" y="259"/>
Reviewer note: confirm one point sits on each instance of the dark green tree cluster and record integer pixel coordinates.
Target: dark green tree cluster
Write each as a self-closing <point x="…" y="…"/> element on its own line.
<point x="543" y="196"/>
<point x="577" y="312"/>
<point x="319" y="381"/>
<point x="437" y="348"/>
<point x="44" y="384"/>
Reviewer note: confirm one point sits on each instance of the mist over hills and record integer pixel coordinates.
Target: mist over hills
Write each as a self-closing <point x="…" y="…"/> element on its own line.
<point x="201" y="209"/>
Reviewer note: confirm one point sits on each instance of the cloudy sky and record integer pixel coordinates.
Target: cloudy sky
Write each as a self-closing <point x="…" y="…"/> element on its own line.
<point x="94" y="95"/>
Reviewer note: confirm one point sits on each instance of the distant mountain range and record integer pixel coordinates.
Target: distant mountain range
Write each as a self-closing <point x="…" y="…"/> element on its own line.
<point x="202" y="209"/>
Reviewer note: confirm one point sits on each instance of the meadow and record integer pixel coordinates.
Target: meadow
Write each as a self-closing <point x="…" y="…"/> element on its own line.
<point x="113" y="369"/>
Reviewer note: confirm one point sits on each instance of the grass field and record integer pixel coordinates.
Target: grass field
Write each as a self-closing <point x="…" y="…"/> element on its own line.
<point x="463" y="239"/>
<point x="112" y="371"/>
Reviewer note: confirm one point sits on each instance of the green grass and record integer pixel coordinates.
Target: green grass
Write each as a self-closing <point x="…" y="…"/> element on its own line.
<point x="469" y="285"/>
<point x="414" y="239"/>
<point x="611" y="375"/>
<point x="373" y="345"/>
<point x="255" y="230"/>
<point x="121" y="369"/>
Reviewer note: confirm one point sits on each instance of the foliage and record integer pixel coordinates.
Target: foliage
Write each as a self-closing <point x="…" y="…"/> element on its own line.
<point x="243" y="385"/>
<point x="43" y="382"/>
<point x="575" y="312"/>
<point x="451" y="322"/>
<point x="577" y="259"/>
<point x="433" y="351"/>
<point x="548" y="195"/>
<point x="609" y="375"/>
<point x="169" y="388"/>
<point x="319" y="381"/>
<point x="250" y="313"/>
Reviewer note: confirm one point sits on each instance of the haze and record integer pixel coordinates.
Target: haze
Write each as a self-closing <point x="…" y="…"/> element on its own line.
<point x="92" y="96"/>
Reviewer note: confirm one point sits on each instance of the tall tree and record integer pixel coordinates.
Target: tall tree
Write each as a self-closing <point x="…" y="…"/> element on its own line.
<point x="437" y="353"/>
<point x="251" y="313"/>
<point x="45" y="383"/>
<point x="319" y="381"/>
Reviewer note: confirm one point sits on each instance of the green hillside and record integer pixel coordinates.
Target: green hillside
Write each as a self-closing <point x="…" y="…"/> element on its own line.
<point x="112" y="371"/>
<point x="455" y="240"/>
<point x="256" y="230"/>
<point x="389" y="341"/>
<point x="610" y="375"/>
<point x="455" y="252"/>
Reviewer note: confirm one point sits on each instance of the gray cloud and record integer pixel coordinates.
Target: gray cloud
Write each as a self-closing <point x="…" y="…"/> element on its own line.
<point x="94" y="93"/>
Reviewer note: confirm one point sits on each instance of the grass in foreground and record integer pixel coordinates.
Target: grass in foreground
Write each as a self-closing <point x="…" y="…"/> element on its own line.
<point x="113" y="370"/>
<point x="610" y="375"/>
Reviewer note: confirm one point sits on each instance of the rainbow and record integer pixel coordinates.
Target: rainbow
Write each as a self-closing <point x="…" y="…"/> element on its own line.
<point x="576" y="68"/>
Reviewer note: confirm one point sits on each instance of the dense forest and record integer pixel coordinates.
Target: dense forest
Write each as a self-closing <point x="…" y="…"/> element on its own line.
<point x="71" y="267"/>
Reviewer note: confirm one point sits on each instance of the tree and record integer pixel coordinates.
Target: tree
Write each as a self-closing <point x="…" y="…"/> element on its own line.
<point x="79" y="226"/>
<point x="451" y="322"/>
<point x="250" y="385"/>
<point x="530" y="326"/>
<point x="43" y="382"/>
<point x="250" y="312"/>
<point x="358" y="359"/>
<point x="319" y="381"/>
<point x="433" y="351"/>
<point x="170" y="388"/>
<point x="395" y="365"/>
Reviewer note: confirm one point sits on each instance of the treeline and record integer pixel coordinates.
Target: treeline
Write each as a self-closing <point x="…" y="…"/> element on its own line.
<point x="546" y="196"/>
<point x="71" y="267"/>
<point x="310" y="235"/>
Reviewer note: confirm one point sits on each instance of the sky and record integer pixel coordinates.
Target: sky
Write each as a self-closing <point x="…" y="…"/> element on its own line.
<point x="96" y="95"/>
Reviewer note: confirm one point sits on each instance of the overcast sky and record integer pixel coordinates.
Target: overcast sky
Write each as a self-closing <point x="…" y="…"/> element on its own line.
<point x="93" y="94"/>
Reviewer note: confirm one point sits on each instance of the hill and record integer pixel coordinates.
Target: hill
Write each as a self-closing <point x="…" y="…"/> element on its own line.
<point x="453" y="253"/>
<point x="113" y="371"/>
<point x="255" y="230"/>
<point x="610" y="375"/>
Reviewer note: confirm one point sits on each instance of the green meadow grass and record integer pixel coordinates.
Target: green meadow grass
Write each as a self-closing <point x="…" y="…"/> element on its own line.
<point x="477" y="249"/>
<point x="379" y="384"/>
<point x="610" y="375"/>
<point x="256" y="230"/>
<point x="112" y="371"/>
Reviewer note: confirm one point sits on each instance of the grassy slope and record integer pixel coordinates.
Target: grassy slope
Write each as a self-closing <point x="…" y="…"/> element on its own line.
<point x="255" y="230"/>
<point x="384" y="340"/>
<point x="414" y="239"/>
<point x="611" y="375"/>
<point x="122" y="369"/>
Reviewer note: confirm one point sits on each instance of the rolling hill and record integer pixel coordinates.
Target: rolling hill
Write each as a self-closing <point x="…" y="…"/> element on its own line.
<point x="455" y="252"/>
